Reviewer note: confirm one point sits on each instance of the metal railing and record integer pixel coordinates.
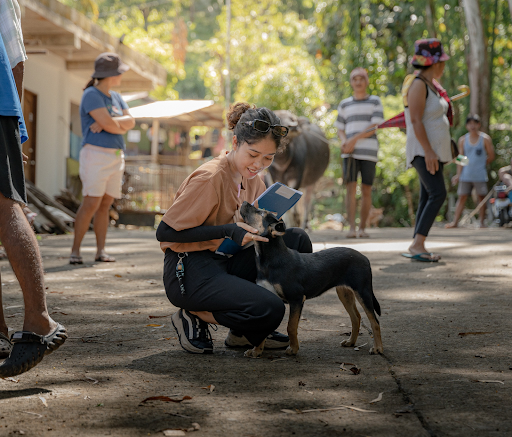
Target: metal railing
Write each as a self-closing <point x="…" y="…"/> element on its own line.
<point x="151" y="187"/>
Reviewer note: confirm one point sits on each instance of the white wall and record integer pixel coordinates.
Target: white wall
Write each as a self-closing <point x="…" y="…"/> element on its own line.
<point x="55" y="87"/>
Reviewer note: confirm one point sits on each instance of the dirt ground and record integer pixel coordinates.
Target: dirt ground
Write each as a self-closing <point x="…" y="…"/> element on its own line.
<point x="446" y="371"/>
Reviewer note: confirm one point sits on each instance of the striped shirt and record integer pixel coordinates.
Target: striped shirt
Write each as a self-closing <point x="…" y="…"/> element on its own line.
<point x="354" y="116"/>
<point x="10" y="31"/>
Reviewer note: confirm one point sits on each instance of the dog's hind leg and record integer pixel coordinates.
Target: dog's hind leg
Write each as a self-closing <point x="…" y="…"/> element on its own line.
<point x="377" y="339"/>
<point x="293" y="326"/>
<point x="347" y="297"/>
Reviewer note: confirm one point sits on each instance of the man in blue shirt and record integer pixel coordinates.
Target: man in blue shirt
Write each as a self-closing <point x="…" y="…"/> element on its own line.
<point x="41" y="335"/>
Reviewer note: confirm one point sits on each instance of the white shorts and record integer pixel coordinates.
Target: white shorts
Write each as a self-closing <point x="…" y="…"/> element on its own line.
<point x="101" y="171"/>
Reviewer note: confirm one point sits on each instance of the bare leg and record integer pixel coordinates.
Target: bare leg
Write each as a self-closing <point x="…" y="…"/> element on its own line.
<point x="23" y="253"/>
<point x="366" y="204"/>
<point x="101" y="222"/>
<point x="83" y="219"/>
<point x="351" y="208"/>
<point x="481" y="214"/>
<point x="418" y="246"/>
<point x="3" y="326"/>
<point x="461" y="201"/>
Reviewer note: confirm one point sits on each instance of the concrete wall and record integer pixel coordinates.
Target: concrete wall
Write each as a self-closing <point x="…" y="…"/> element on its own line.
<point x="56" y="88"/>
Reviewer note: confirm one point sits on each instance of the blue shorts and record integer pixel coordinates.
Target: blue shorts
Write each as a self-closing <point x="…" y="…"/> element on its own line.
<point x="352" y="167"/>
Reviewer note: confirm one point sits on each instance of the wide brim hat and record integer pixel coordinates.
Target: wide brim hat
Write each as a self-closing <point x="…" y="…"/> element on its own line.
<point x="108" y="65"/>
<point x="428" y="52"/>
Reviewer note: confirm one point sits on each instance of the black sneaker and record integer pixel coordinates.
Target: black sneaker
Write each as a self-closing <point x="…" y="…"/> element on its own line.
<point x="193" y="333"/>
<point x="276" y="340"/>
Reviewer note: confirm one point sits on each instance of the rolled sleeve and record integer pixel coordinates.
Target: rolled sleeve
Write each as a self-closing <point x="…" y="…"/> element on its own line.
<point x="378" y="113"/>
<point x="193" y="206"/>
<point x="340" y="119"/>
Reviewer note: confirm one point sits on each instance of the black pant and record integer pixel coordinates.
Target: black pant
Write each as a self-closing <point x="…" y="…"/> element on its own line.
<point x="12" y="177"/>
<point x="226" y="287"/>
<point x="432" y="195"/>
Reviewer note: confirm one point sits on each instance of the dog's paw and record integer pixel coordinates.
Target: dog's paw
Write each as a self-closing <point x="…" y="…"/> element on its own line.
<point x="376" y="350"/>
<point x="347" y="343"/>
<point x="253" y="353"/>
<point x="292" y="351"/>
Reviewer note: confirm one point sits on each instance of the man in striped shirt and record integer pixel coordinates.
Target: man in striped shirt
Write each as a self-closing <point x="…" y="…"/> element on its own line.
<point x="359" y="147"/>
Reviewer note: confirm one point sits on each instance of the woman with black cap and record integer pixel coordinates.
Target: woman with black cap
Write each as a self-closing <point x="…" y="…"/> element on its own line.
<point x="105" y="118"/>
<point x="428" y="140"/>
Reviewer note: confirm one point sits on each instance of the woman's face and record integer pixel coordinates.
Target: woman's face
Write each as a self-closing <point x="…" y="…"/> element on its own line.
<point x="115" y="80"/>
<point x="438" y="69"/>
<point x="251" y="159"/>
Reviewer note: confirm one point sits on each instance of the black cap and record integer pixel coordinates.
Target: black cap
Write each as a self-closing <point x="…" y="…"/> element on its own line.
<point x="108" y="65"/>
<point x="473" y="117"/>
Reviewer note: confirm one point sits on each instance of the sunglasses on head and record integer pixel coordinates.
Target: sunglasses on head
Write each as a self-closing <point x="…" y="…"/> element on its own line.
<point x="264" y="126"/>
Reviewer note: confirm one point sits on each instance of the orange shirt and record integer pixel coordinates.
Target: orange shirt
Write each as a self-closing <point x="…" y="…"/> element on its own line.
<point x="209" y="197"/>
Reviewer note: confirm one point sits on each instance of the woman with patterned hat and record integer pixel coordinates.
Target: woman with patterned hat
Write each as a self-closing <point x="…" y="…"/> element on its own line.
<point x="428" y="140"/>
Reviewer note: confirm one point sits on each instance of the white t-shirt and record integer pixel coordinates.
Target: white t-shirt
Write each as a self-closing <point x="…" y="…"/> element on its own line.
<point x="354" y="116"/>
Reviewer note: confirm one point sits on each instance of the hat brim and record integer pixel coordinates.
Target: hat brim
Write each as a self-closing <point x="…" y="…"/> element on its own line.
<point x="122" y="68"/>
<point x="444" y="57"/>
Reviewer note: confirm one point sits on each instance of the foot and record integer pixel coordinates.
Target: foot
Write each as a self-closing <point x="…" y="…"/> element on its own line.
<point x="482" y="225"/>
<point x="193" y="333"/>
<point x="104" y="258"/>
<point x="75" y="259"/>
<point x="419" y="251"/>
<point x="351" y="234"/>
<point x="363" y="234"/>
<point x="451" y="225"/>
<point x="29" y="349"/>
<point x="5" y="346"/>
<point x="276" y="340"/>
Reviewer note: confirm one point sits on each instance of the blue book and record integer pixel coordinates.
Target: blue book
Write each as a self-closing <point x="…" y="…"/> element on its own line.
<point x="277" y="199"/>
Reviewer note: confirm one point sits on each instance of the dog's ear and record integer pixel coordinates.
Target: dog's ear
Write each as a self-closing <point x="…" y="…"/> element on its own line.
<point x="277" y="229"/>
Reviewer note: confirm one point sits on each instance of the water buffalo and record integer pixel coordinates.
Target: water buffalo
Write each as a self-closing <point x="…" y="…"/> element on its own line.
<point x="303" y="161"/>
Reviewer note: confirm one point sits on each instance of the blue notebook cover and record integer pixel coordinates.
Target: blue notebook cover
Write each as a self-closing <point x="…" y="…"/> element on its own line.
<point x="278" y="198"/>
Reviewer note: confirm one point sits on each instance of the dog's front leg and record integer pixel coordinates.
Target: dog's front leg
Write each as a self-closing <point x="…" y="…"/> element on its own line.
<point x="256" y="351"/>
<point x="293" y="326"/>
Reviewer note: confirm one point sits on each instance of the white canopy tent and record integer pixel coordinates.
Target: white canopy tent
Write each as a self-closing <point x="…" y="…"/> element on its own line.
<point x="185" y="113"/>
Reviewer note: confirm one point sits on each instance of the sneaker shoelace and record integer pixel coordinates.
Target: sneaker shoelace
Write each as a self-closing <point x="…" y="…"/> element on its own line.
<point x="203" y="331"/>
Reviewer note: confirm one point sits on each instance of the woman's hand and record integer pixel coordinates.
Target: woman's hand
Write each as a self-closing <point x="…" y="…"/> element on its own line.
<point x="455" y="180"/>
<point x="431" y="161"/>
<point x="95" y="128"/>
<point x="251" y="235"/>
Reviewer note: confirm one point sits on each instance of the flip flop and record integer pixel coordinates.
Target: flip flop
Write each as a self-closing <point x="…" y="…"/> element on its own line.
<point x="75" y="259"/>
<point x="5" y="346"/>
<point x="419" y="257"/>
<point x="363" y="234"/>
<point x="105" y="259"/>
<point x="29" y="349"/>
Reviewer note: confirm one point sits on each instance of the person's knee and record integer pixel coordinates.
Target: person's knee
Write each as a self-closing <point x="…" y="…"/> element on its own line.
<point x="105" y="204"/>
<point x="298" y="239"/>
<point x="268" y="310"/>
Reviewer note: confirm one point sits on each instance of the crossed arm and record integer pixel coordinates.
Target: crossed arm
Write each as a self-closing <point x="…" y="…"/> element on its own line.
<point x="114" y="125"/>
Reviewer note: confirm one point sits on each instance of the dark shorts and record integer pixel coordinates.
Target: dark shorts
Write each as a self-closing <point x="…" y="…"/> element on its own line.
<point x="352" y="167"/>
<point x="12" y="176"/>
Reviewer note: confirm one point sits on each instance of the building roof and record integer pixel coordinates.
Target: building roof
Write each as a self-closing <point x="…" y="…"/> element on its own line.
<point x="52" y="26"/>
<point x="182" y="112"/>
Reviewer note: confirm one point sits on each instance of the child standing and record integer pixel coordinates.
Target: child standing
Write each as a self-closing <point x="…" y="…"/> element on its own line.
<point x="359" y="148"/>
<point x="478" y="147"/>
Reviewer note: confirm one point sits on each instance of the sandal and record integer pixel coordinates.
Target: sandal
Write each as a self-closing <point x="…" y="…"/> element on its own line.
<point x="29" y="349"/>
<point x="5" y="346"/>
<point x="105" y="259"/>
<point x="75" y="259"/>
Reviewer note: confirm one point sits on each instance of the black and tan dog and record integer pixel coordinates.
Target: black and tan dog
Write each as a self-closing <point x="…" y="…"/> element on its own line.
<point x="295" y="277"/>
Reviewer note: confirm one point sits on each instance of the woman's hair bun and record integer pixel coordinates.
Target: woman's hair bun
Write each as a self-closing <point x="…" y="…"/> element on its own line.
<point x="235" y="112"/>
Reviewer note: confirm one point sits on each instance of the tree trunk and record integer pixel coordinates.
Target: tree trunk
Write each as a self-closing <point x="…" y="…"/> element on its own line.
<point x="510" y="6"/>
<point x="430" y="13"/>
<point x="478" y="67"/>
